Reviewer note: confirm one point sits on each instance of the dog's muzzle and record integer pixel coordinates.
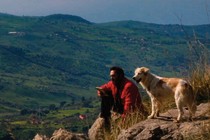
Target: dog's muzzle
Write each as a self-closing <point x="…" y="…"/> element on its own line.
<point x="137" y="80"/>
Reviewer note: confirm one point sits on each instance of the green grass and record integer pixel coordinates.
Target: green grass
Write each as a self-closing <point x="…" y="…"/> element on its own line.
<point x="65" y="113"/>
<point x="19" y="123"/>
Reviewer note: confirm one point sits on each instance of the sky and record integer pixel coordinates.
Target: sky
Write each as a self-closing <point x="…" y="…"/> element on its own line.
<point x="186" y="12"/>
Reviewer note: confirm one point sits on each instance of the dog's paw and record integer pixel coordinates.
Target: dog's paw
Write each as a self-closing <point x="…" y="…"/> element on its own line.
<point x="176" y="121"/>
<point x="157" y="115"/>
<point x="150" y="117"/>
<point x="190" y="119"/>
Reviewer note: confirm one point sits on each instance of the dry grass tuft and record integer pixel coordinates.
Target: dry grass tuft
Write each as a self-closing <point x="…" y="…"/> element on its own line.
<point x="199" y="78"/>
<point x="119" y="124"/>
<point x="199" y="67"/>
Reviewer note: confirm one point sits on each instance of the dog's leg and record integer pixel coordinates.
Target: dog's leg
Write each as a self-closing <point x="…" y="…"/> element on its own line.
<point x="180" y="113"/>
<point x="191" y="102"/>
<point x="151" y="116"/>
<point x="179" y="105"/>
<point x="190" y="112"/>
<point x="179" y="99"/>
<point x="157" y="108"/>
<point x="192" y="109"/>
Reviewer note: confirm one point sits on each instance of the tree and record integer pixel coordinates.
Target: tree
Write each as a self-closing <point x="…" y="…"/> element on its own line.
<point x="62" y="104"/>
<point x="52" y="107"/>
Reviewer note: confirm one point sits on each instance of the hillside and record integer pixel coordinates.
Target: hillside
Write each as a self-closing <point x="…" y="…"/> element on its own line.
<point x="43" y="57"/>
<point x="56" y="59"/>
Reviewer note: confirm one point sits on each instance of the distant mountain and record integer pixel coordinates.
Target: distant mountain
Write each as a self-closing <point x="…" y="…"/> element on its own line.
<point x="66" y="18"/>
<point x="47" y="60"/>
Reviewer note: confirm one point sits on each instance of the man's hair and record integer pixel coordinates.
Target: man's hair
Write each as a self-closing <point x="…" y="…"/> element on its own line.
<point x="118" y="70"/>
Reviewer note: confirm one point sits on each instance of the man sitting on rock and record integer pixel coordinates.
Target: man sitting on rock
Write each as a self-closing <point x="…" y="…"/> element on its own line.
<point x="119" y="95"/>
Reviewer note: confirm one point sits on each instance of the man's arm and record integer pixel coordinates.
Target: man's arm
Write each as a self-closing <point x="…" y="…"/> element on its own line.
<point x="104" y="90"/>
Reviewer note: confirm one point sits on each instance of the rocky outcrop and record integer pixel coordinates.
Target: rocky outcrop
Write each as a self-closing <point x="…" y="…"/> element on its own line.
<point x="62" y="134"/>
<point x="96" y="132"/>
<point x="164" y="128"/>
<point x="40" y="137"/>
<point x="161" y="128"/>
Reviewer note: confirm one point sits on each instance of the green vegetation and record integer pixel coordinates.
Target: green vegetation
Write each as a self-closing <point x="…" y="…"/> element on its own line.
<point x="50" y="66"/>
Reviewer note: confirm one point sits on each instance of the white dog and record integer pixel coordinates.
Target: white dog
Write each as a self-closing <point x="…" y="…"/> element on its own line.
<point x="161" y="88"/>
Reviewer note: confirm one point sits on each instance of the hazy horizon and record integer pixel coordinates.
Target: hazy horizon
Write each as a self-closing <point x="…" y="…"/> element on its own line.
<point x="186" y="12"/>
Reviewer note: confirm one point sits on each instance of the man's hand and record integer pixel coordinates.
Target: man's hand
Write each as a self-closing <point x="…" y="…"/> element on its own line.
<point x="101" y="92"/>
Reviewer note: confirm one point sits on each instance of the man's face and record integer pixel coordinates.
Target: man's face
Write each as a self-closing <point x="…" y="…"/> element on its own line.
<point x="114" y="77"/>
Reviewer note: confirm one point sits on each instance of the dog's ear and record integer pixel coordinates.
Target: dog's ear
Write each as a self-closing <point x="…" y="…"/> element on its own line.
<point x="145" y="70"/>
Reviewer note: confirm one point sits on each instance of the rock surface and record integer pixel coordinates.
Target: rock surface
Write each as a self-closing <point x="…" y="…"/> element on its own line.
<point x="96" y="132"/>
<point x="161" y="128"/>
<point x="164" y="128"/>
<point x="62" y="134"/>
